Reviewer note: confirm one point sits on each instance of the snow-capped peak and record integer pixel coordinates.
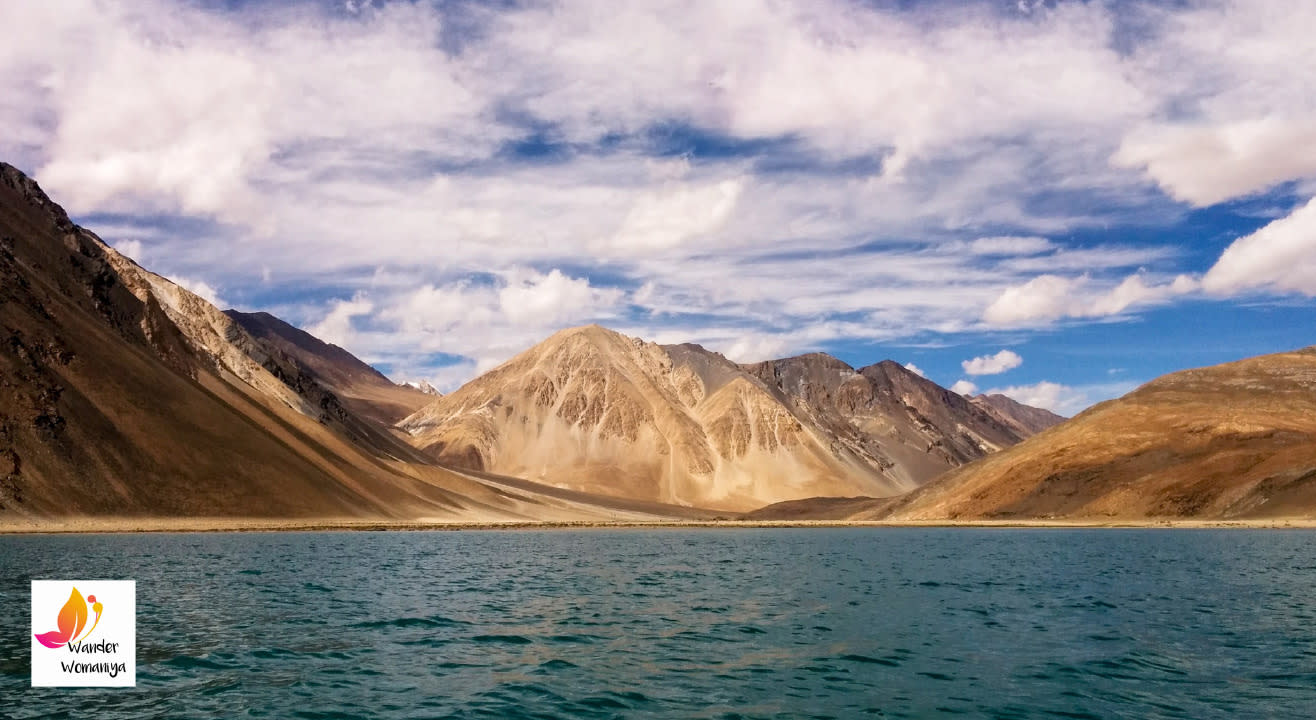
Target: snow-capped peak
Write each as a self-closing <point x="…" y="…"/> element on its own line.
<point x="422" y="386"/>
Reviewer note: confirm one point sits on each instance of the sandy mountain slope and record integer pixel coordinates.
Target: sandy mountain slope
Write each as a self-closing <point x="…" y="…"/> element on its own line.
<point x="361" y="388"/>
<point x="1232" y="440"/>
<point x="122" y="395"/>
<point x="914" y="427"/>
<point x="1025" y="420"/>
<point x="594" y="410"/>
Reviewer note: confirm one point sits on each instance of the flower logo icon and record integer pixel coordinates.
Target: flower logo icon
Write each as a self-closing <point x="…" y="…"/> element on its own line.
<point x="71" y="621"/>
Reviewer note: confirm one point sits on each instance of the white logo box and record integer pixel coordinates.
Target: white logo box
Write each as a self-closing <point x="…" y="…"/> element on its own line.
<point x="101" y="653"/>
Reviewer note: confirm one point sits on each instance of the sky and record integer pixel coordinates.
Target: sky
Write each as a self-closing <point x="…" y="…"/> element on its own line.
<point x="1056" y="200"/>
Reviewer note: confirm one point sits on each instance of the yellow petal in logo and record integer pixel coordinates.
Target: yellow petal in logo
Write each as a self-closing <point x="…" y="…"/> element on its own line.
<point x="73" y="616"/>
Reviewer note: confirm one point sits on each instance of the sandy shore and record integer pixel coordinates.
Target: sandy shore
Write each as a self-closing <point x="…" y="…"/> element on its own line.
<point x="178" y="525"/>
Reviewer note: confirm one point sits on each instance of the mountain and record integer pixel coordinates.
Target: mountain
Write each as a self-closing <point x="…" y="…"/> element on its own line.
<point x="591" y="409"/>
<point x="423" y="387"/>
<point x="1025" y="420"/>
<point x="124" y="396"/>
<point x="360" y="387"/>
<point x="1229" y="441"/>
<point x="914" y="427"/>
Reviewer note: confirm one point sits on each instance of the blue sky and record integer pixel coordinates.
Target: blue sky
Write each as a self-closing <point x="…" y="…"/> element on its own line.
<point x="1060" y="200"/>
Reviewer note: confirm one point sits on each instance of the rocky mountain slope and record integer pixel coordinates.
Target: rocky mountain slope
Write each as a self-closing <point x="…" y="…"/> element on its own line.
<point x="1025" y="420"/>
<point x="591" y="409"/>
<point x="360" y="387"/>
<point x="123" y="395"/>
<point x="1230" y="441"/>
<point x="915" y="428"/>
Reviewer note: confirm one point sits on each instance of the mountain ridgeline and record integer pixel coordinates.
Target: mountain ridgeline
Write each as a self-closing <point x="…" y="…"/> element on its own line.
<point x="123" y="395"/>
<point x="1235" y="440"/>
<point x="594" y="410"/>
<point x="1230" y="441"/>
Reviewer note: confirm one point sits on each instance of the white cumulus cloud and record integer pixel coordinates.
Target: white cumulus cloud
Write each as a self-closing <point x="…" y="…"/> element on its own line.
<point x="964" y="387"/>
<point x="1047" y="395"/>
<point x="532" y="298"/>
<point x="992" y="364"/>
<point x="1207" y="165"/>
<point x="1281" y="256"/>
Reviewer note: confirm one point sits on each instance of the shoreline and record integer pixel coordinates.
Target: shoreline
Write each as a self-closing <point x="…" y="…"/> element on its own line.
<point x="103" y="526"/>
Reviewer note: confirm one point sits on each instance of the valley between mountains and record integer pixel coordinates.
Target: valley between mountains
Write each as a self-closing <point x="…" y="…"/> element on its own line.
<point x="128" y="401"/>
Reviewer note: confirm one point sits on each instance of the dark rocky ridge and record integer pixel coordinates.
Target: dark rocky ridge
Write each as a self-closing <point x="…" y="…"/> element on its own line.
<point x="1025" y="419"/>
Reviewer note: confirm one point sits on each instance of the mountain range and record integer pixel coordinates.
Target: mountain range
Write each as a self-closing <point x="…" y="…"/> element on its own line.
<point x="597" y="411"/>
<point x="1236" y="440"/>
<point x="123" y="395"/>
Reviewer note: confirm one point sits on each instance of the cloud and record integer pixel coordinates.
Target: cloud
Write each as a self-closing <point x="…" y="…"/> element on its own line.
<point x="1233" y="118"/>
<point x="445" y="378"/>
<point x="964" y="387"/>
<point x="992" y="364"/>
<point x="531" y="298"/>
<point x="280" y="83"/>
<point x="675" y="214"/>
<point x="1010" y="245"/>
<point x="201" y="289"/>
<point x="468" y="325"/>
<point x="744" y="173"/>
<point x="1047" y="395"/>
<point x="1207" y="165"/>
<point x="1280" y="256"/>
<point x="836" y="75"/>
<point x="1047" y="298"/>
<point x="915" y="369"/>
<point x="1061" y="399"/>
<point x="130" y="248"/>
<point x="337" y="327"/>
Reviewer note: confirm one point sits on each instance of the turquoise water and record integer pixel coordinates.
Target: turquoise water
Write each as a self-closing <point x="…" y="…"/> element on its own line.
<point x="822" y="623"/>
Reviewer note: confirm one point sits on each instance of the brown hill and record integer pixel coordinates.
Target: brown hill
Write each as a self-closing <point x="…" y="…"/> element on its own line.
<point x="360" y="387"/>
<point x="123" y="395"/>
<point x="1026" y="420"/>
<point x="1229" y="441"/>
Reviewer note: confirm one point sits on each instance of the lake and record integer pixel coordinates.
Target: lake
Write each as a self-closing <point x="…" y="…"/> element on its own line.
<point x="676" y="623"/>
